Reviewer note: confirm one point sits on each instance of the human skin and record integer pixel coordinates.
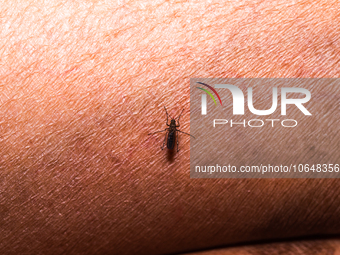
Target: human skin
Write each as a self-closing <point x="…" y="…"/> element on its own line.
<point x="311" y="247"/>
<point x="81" y="86"/>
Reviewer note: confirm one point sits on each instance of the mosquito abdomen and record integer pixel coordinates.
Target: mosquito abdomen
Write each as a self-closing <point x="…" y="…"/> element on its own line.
<point x="171" y="140"/>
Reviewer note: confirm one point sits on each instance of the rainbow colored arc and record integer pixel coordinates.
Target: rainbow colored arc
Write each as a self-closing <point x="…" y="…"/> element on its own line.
<point x="209" y="92"/>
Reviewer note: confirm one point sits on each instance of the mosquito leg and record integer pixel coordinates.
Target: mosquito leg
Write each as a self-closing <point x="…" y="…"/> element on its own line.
<point x="162" y="147"/>
<point x="167" y="116"/>
<point x="177" y="143"/>
<point x="185" y="133"/>
<point x="179" y="117"/>
<point x="157" y="132"/>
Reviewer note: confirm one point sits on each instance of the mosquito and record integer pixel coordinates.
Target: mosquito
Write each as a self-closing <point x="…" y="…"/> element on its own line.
<point x="171" y="131"/>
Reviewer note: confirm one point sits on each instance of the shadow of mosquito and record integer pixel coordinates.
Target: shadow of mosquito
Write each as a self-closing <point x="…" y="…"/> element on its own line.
<point x="171" y="155"/>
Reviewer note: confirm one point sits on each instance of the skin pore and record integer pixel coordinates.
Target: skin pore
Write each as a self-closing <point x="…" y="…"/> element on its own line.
<point x="81" y="86"/>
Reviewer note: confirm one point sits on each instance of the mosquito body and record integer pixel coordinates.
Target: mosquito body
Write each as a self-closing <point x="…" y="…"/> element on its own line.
<point x="171" y="132"/>
<point x="171" y="135"/>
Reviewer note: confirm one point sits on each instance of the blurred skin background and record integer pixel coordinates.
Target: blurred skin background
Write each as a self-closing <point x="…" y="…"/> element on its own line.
<point x="83" y="83"/>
